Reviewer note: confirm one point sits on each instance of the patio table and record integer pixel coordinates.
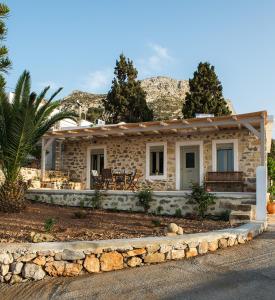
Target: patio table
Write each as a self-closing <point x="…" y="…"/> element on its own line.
<point x="124" y="178"/>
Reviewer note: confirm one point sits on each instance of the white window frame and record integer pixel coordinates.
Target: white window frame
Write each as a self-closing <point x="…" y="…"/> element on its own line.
<point x="88" y="164"/>
<point x="235" y="152"/>
<point x="188" y="143"/>
<point x="156" y="177"/>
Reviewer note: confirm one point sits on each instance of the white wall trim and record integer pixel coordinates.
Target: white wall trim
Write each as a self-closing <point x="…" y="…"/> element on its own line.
<point x="235" y="151"/>
<point x="177" y="161"/>
<point x="147" y="162"/>
<point x="88" y="162"/>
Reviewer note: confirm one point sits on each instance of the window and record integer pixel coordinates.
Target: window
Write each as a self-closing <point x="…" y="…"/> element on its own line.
<point x="225" y="157"/>
<point x="190" y="160"/>
<point x="156" y="160"/>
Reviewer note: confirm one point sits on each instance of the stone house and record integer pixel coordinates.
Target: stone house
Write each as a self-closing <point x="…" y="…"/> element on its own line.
<point x="168" y="155"/>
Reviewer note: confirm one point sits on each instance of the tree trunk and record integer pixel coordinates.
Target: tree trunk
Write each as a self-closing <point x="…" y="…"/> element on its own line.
<point x="12" y="196"/>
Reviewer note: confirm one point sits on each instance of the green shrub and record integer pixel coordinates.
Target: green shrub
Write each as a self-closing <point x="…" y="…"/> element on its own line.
<point x="224" y="216"/>
<point x="51" y="200"/>
<point x="49" y="224"/>
<point x="80" y="215"/>
<point x="159" y="210"/>
<point x="81" y="203"/>
<point x="178" y="213"/>
<point x="271" y="190"/>
<point x="156" y="223"/>
<point x="97" y="199"/>
<point x="145" y="196"/>
<point x="202" y="198"/>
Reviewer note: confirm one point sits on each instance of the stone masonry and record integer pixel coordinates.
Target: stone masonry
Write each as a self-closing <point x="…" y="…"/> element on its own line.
<point x="24" y="262"/>
<point x="130" y="152"/>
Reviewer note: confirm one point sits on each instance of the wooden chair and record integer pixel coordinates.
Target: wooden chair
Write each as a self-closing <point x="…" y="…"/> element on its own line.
<point x="119" y="180"/>
<point x="133" y="181"/>
<point x="97" y="181"/>
<point x="107" y="178"/>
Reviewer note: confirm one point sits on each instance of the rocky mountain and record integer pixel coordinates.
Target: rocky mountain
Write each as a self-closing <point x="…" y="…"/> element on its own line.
<point x="164" y="95"/>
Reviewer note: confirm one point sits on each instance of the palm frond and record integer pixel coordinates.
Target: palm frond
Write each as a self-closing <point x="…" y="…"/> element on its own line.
<point x="23" y="122"/>
<point x="51" y="121"/>
<point x="22" y="88"/>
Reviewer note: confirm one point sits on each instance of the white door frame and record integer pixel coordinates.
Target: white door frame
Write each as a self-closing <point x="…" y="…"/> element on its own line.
<point x="88" y="162"/>
<point x="188" y="143"/>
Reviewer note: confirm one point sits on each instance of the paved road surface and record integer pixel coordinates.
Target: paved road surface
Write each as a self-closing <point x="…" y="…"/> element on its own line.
<point x="242" y="272"/>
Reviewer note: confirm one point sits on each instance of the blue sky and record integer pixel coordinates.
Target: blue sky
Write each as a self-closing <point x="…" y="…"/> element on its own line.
<point x="74" y="44"/>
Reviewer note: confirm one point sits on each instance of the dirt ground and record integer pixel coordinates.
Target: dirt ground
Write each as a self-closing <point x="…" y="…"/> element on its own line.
<point x="97" y="224"/>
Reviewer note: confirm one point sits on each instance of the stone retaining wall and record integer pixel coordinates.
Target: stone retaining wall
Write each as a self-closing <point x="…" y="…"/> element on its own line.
<point x="27" y="173"/>
<point x="23" y="262"/>
<point x="164" y="203"/>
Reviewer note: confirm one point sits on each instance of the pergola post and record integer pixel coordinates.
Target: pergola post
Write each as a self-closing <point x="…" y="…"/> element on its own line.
<point x="262" y="140"/>
<point x="44" y="146"/>
<point x="261" y="177"/>
<point x="43" y="159"/>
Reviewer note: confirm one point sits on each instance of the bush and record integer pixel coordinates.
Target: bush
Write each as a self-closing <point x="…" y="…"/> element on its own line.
<point x="80" y="215"/>
<point x="145" y="196"/>
<point x="224" y="216"/>
<point x="271" y="190"/>
<point x="178" y="213"/>
<point x="159" y="210"/>
<point x="156" y="223"/>
<point x="49" y="224"/>
<point x="97" y="199"/>
<point x="202" y="198"/>
<point x="81" y="203"/>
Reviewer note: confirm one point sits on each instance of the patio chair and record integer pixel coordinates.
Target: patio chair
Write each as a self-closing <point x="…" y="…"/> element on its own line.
<point x="97" y="181"/>
<point x="119" y="180"/>
<point x="107" y="178"/>
<point x="133" y="181"/>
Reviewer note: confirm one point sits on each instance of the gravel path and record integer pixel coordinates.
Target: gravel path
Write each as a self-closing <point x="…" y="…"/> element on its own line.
<point x="242" y="272"/>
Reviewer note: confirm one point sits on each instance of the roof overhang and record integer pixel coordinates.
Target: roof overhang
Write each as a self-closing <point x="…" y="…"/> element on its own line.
<point x="250" y="121"/>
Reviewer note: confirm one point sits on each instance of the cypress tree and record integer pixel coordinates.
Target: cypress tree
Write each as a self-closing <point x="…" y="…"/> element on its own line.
<point x="126" y="100"/>
<point x="205" y="95"/>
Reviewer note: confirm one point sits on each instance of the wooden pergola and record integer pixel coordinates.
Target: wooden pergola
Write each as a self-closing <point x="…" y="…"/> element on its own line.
<point x="254" y="122"/>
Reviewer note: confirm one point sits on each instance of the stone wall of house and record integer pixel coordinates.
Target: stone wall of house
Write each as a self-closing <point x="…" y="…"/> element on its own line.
<point x="130" y="152"/>
<point x="23" y="262"/>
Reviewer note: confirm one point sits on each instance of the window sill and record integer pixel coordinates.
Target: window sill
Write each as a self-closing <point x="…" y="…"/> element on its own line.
<point x="156" y="177"/>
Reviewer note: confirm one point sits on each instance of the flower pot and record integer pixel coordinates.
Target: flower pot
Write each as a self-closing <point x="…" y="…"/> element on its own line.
<point x="271" y="208"/>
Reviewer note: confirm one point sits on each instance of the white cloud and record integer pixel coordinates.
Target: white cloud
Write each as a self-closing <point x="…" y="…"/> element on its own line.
<point x="98" y="81"/>
<point x="157" y="61"/>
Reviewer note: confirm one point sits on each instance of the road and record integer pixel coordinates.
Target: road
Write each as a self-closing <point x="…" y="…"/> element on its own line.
<point x="241" y="272"/>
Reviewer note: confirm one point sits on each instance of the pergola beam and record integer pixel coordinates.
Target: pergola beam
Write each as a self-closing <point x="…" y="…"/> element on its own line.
<point x="252" y="129"/>
<point x="173" y="125"/>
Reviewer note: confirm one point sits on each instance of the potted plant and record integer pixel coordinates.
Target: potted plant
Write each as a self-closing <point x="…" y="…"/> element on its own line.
<point x="271" y="203"/>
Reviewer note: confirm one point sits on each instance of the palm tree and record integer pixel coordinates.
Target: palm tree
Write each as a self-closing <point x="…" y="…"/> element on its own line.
<point x="5" y="63"/>
<point x="22" y="123"/>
